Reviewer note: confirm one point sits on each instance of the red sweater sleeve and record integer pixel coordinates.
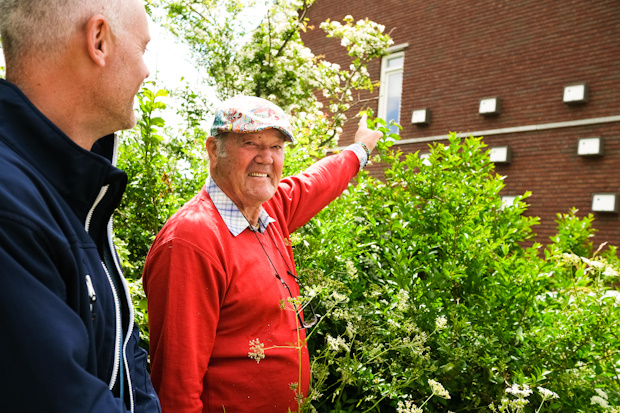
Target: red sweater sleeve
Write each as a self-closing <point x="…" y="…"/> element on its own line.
<point x="184" y="306"/>
<point x="303" y="196"/>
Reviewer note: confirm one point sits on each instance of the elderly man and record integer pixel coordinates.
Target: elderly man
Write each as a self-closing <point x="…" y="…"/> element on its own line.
<point x="68" y="341"/>
<point x="218" y="271"/>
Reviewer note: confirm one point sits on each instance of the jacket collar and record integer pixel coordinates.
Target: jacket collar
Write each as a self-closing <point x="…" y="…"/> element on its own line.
<point x="77" y="174"/>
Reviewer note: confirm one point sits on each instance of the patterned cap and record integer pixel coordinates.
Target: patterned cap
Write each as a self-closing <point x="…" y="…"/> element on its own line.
<point x="246" y="114"/>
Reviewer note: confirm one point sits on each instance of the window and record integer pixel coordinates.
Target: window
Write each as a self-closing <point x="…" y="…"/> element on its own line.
<point x="391" y="88"/>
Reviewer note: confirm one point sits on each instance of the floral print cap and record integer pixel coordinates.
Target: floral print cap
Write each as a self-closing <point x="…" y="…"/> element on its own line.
<point x="247" y="114"/>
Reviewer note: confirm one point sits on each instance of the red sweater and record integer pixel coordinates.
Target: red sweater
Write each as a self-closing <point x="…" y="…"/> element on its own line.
<point x="210" y="294"/>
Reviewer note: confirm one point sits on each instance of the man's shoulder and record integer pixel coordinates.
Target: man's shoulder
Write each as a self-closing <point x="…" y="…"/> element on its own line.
<point x="21" y="186"/>
<point x="30" y="208"/>
<point x="196" y="218"/>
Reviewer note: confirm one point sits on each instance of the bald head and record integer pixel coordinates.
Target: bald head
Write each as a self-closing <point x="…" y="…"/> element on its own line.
<point x="80" y="62"/>
<point x="39" y="30"/>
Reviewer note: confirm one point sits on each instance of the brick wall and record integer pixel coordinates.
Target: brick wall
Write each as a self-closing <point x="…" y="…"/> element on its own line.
<point x="524" y="52"/>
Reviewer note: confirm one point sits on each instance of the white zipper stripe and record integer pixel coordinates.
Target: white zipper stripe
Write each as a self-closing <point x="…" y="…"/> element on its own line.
<point x="117" y="341"/>
<point x="131" y="312"/>
<point x="89" y="217"/>
<point x="119" y="325"/>
<point x="115" y="150"/>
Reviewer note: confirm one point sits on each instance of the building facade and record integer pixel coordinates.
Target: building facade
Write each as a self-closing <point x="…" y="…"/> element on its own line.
<point x="538" y="79"/>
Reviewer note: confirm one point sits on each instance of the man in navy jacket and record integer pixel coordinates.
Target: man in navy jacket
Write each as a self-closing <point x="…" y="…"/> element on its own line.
<point x="68" y="342"/>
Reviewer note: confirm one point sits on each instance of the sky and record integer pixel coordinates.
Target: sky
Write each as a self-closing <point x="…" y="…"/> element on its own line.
<point x="168" y="58"/>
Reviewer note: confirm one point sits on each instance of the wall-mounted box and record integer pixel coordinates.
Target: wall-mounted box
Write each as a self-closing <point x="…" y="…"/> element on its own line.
<point x="500" y="154"/>
<point x="489" y="106"/>
<point x="575" y="94"/>
<point x="605" y="202"/>
<point x="508" y="200"/>
<point x="425" y="160"/>
<point x="590" y="147"/>
<point x="421" y="117"/>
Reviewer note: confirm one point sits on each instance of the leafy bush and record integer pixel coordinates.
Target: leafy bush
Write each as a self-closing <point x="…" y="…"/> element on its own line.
<point x="438" y="285"/>
<point x="163" y="174"/>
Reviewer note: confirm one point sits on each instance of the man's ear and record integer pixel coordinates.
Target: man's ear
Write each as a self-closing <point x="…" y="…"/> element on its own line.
<point x="98" y="39"/>
<point x="211" y="146"/>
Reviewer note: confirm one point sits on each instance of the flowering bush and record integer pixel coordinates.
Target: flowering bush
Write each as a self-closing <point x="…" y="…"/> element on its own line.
<point x="441" y="286"/>
<point x="521" y="394"/>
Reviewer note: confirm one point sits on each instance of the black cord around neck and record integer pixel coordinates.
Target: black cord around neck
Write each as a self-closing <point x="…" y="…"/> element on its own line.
<point x="288" y="269"/>
<point x="254" y="230"/>
<point x="302" y="323"/>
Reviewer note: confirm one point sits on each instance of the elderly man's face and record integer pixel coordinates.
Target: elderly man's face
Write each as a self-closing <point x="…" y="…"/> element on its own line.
<point x="251" y="166"/>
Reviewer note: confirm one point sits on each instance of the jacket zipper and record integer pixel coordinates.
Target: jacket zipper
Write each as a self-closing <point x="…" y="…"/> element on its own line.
<point x="130" y="327"/>
<point x="92" y="295"/>
<point x="118" y="341"/>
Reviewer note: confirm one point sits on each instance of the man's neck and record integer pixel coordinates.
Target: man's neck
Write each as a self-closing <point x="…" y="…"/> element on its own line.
<point x="251" y="214"/>
<point x="54" y="90"/>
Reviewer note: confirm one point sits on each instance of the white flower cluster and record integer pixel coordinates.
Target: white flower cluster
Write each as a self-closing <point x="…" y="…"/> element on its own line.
<point x="574" y="260"/>
<point x="257" y="350"/>
<point x="600" y="399"/>
<point x="547" y="394"/>
<point x="337" y="344"/>
<point x="362" y="39"/>
<point x="570" y="259"/>
<point x="339" y="298"/>
<point x="441" y="322"/>
<point x="519" y="391"/>
<point x="351" y="270"/>
<point x="407" y="407"/>
<point x="402" y="300"/>
<point x="438" y="389"/>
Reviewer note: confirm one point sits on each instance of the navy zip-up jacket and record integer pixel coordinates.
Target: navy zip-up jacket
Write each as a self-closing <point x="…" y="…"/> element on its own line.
<point x="61" y="289"/>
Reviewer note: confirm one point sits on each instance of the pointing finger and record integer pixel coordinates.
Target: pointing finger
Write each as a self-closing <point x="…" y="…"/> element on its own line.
<point x="363" y="121"/>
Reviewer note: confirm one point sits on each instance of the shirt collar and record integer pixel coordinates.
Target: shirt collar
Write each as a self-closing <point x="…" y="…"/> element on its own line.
<point x="233" y="218"/>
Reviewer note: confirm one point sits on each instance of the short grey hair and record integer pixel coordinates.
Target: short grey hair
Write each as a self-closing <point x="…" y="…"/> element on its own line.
<point x="219" y="144"/>
<point x="43" y="27"/>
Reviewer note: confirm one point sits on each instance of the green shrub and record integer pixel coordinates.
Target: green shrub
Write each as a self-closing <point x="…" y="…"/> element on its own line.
<point x="439" y="286"/>
<point x="165" y="169"/>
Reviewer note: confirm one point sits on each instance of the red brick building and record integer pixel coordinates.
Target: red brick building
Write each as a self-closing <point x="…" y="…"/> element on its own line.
<point x="564" y="143"/>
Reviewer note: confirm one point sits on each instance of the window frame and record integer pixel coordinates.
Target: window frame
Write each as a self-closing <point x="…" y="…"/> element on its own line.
<point x="385" y="72"/>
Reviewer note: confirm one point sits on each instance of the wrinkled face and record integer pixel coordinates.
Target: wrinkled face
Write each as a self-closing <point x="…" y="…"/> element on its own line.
<point x="250" y="168"/>
<point x="127" y="68"/>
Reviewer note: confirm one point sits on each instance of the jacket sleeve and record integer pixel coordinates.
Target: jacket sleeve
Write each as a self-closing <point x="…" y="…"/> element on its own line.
<point x="185" y="288"/>
<point x="303" y="196"/>
<point x="44" y="343"/>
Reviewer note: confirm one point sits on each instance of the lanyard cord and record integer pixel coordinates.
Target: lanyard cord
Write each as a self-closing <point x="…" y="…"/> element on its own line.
<point x="288" y="269"/>
<point x="252" y="228"/>
<point x="302" y="323"/>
